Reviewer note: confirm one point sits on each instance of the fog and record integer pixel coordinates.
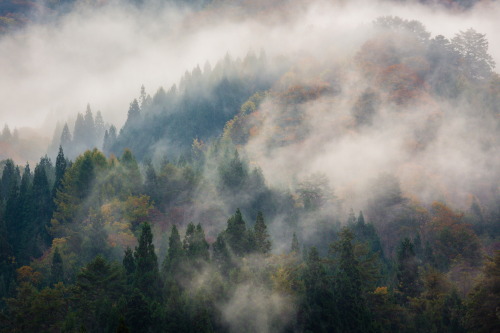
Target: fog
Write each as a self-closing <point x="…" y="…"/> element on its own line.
<point x="102" y="54"/>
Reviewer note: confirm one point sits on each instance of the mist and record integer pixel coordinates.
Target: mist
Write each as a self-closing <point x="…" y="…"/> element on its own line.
<point x="102" y="55"/>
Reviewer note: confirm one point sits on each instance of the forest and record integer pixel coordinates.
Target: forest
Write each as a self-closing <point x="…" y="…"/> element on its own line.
<point x="302" y="192"/>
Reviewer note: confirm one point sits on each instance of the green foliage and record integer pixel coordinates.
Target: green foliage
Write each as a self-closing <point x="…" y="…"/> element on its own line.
<point x="262" y="241"/>
<point x="484" y="300"/>
<point x="147" y="276"/>
<point x="409" y="283"/>
<point x="57" y="268"/>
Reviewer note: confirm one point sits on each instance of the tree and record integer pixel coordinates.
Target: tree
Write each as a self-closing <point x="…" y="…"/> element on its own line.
<point x="147" y="276"/>
<point x="129" y="264"/>
<point x="57" y="268"/>
<point x="236" y="234"/>
<point x="175" y="252"/>
<point x="61" y="166"/>
<point x="99" y="126"/>
<point x="65" y="137"/>
<point x="473" y="47"/>
<point x="352" y="308"/>
<point x="483" y="302"/>
<point x="99" y="286"/>
<point x="9" y="179"/>
<point x="90" y="132"/>
<point x="134" y="114"/>
<point x="79" y="134"/>
<point x="262" y="241"/>
<point x="195" y="246"/>
<point x="409" y="283"/>
<point x="315" y="192"/>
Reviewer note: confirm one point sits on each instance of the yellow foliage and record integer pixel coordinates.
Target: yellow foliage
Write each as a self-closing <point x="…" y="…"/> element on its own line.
<point x="381" y="291"/>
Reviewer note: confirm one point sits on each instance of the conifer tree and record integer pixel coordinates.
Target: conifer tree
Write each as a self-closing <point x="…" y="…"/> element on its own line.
<point x="175" y="252"/>
<point x="129" y="264"/>
<point x="262" y="241"/>
<point x="147" y="276"/>
<point x="61" y="165"/>
<point x="409" y="283"/>
<point x="57" y="268"/>
<point x="236" y="234"/>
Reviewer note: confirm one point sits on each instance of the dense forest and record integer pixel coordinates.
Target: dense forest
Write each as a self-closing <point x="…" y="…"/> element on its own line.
<point x="292" y="193"/>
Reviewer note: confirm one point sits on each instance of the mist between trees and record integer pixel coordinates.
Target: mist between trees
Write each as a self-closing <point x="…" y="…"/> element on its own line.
<point x="352" y="191"/>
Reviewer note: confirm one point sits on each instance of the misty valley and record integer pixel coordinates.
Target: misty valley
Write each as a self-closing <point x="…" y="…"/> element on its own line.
<point x="249" y="166"/>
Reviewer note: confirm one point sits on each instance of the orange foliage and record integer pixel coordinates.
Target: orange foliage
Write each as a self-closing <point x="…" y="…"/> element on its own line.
<point x="28" y="275"/>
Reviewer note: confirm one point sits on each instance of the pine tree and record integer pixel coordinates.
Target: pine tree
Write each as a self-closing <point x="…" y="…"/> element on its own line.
<point x="263" y="243"/>
<point x="57" y="268"/>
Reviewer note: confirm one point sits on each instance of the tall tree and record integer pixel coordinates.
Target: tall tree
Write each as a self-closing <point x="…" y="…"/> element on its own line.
<point x="147" y="276"/>
<point x="473" y="47"/>
<point x="175" y="252"/>
<point x="351" y="303"/>
<point x="262" y="241"/>
<point x="57" y="268"/>
<point x="61" y="166"/>
<point x="236" y="234"/>
<point x="409" y="283"/>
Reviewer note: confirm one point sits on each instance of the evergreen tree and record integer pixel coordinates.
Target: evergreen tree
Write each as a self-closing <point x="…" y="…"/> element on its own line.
<point x="262" y="241"/>
<point x="221" y="255"/>
<point x="57" y="268"/>
<point x="129" y="264"/>
<point x="41" y="203"/>
<point x="175" y="253"/>
<point x="8" y="179"/>
<point x="319" y="313"/>
<point x="99" y="127"/>
<point x="65" y="140"/>
<point x="134" y="114"/>
<point x="147" y="276"/>
<point x="90" y="132"/>
<point x="409" y="283"/>
<point x="236" y="234"/>
<point x="79" y="134"/>
<point x="61" y="166"/>
<point x="351" y="303"/>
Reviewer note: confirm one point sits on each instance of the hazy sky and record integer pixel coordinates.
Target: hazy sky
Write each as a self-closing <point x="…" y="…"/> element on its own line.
<point x="102" y="56"/>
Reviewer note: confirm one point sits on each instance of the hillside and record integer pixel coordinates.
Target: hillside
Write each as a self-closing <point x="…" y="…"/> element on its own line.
<point x="345" y="178"/>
